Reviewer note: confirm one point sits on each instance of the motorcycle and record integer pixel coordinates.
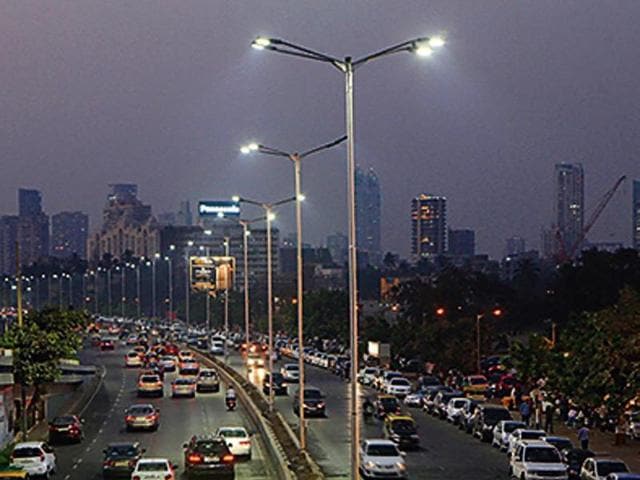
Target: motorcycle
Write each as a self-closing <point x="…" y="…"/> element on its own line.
<point x="231" y="404"/>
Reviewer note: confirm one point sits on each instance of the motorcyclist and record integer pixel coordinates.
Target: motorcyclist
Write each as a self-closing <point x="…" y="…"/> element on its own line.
<point x="230" y="394"/>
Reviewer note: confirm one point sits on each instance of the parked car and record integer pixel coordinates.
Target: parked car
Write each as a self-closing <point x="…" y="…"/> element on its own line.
<point x="536" y="459"/>
<point x="599" y="468"/>
<point x="441" y="401"/>
<point x="290" y="372"/>
<point x="380" y="457"/>
<point x="520" y="434"/>
<point x="120" y="459"/>
<point x="475" y="385"/>
<point x="487" y="416"/>
<point x="561" y="443"/>
<point x="399" y="386"/>
<point x="468" y="415"/>
<point x="37" y="458"/>
<point x="430" y="396"/>
<point x="502" y="430"/>
<point x="454" y="408"/>
<point x="573" y="459"/>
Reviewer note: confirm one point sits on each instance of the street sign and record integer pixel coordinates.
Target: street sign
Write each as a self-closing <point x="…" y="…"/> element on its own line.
<point x="212" y="273"/>
<point x="219" y="208"/>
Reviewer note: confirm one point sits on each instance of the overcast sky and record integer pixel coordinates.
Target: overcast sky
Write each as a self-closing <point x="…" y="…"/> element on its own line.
<point x="163" y="93"/>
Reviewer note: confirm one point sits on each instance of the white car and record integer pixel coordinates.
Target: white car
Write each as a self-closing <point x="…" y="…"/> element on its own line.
<point x="533" y="459"/>
<point x="132" y="360"/>
<point x="153" y="469"/>
<point x="217" y="347"/>
<point x="599" y="468"/>
<point x="367" y="375"/>
<point x="523" y="434"/>
<point x="502" y="430"/>
<point x="455" y="407"/>
<point x="290" y="372"/>
<point x="379" y="458"/>
<point x="238" y="440"/>
<point x="37" y="458"/>
<point x="169" y="363"/>
<point x="398" y="386"/>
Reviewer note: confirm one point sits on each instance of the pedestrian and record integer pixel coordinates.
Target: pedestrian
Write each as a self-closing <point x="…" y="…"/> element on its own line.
<point x="548" y="417"/>
<point x="620" y="431"/>
<point x="525" y="412"/>
<point x="571" y="417"/>
<point x="583" y="436"/>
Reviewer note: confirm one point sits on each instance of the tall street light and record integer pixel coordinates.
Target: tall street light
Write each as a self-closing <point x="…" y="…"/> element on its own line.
<point x="156" y="256"/>
<point x="187" y="283"/>
<point x="269" y="214"/>
<point x="170" y="278"/>
<point x="496" y="312"/>
<point x="226" y="305"/>
<point x="296" y="160"/>
<point x="138" y="299"/>
<point x="423" y="46"/>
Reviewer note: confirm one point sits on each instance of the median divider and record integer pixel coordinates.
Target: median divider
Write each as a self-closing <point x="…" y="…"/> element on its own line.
<point x="282" y="444"/>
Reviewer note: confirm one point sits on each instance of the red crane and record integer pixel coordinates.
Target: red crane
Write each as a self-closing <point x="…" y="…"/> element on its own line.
<point x="565" y="254"/>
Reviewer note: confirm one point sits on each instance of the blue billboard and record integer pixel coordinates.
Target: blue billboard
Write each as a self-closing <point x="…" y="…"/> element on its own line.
<point x="219" y="208"/>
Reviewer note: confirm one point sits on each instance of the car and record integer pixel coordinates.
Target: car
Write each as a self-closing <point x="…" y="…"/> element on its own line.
<point x="383" y="381"/>
<point x="430" y="395"/>
<point x="132" y="340"/>
<point x="399" y="386"/>
<point x="441" y="401"/>
<point x="623" y="476"/>
<point x="468" y="416"/>
<point x="120" y="459"/>
<point x="380" y="458"/>
<point x="238" y="440"/>
<point x="189" y="367"/>
<point x="633" y="422"/>
<point x="207" y="381"/>
<point x="428" y="381"/>
<point x="155" y="368"/>
<point x="208" y="457"/>
<point x="107" y="345"/>
<point x="402" y="430"/>
<point x="183" y="387"/>
<point x="414" y="400"/>
<point x="561" y="443"/>
<point x="255" y="357"/>
<point x="37" y="458"/>
<point x="153" y="469"/>
<point x="314" y="404"/>
<point x="168" y="362"/>
<point x="475" y="385"/>
<point x="574" y="458"/>
<point x="385" y="405"/>
<point x="486" y="417"/>
<point x="290" y="372"/>
<point x="279" y="385"/>
<point x="367" y="374"/>
<point x="502" y="430"/>
<point x="150" y="385"/>
<point x="132" y="360"/>
<point x="523" y="434"/>
<point x="217" y="347"/>
<point x="143" y="416"/>
<point x="65" y="427"/>
<point x="534" y="460"/>
<point x="185" y="355"/>
<point x="598" y="468"/>
<point x="454" y="408"/>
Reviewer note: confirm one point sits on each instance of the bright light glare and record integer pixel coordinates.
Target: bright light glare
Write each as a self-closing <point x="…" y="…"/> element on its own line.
<point x="253" y="147"/>
<point x="245" y="150"/>
<point x="220" y="214"/>
<point x="436" y="42"/>
<point x="423" y="50"/>
<point x="257" y="46"/>
<point x="271" y="216"/>
<point x="235" y="198"/>
<point x="301" y="197"/>
<point x="262" y="42"/>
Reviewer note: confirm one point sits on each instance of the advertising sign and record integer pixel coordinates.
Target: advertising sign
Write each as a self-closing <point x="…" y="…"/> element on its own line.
<point x="212" y="273"/>
<point x="218" y="208"/>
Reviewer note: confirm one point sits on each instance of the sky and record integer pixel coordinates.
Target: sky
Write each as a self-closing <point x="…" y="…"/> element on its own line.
<point x="163" y="94"/>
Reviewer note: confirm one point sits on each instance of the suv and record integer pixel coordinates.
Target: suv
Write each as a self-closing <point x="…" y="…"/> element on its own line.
<point x="487" y="417"/>
<point x="37" y="458"/>
<point x="120" y="459"/>
<point x="398" y="386"/>
<point x="208" y="456"/>
<point x="381" y="459"/>
<point x="207" y="381"/>
<point x="535" y="459"/>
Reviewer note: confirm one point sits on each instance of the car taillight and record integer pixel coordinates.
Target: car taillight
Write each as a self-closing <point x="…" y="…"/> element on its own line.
<point x="194" y="458"/>
<point x="228" y="458"/>
<point x="168" y="476"/>
<point x="135" y="477"/>
<point x="245" y="442"/>
<point x="129" y="418"/>
<point x="42" y="457"/>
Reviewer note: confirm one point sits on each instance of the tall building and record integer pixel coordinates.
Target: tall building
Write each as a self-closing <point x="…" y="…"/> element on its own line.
<point x="69" y="234"/>
<point x="636" y="214"/>
<point x="185" y="215"/>
<point x="29" y="202"/>
<point x="570" y="204"/>
<point x="462" y="243"/>
<point x="33" y="227"/>
<point x="8" y="239"/>
<point x="338" y="245"/>
<point x="428" y="226"/>
<point x="514" y="246"/>
<point x="368" y="214"/>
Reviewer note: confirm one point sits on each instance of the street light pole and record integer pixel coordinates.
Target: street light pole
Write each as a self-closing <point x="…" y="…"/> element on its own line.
<point x="187" y="282"/>
<point x="245" y="269"/>
<point x="138" y="299"/>
<point x="226" y="306"/>
<point x="153" y="285"/>
<point x="170" y="274"/>
<point x="109" y="297"/>
<point x="123" y="289"/>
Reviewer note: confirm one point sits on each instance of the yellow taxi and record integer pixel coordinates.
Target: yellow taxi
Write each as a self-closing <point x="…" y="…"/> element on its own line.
<point x="13" y="472"/>
<point x="402" y="430"/>
<point x="475" y="386"/>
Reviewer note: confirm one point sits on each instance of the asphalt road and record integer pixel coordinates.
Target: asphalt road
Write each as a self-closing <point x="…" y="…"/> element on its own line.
<point x="179" y="420"/>
<point x="447" y="453"/>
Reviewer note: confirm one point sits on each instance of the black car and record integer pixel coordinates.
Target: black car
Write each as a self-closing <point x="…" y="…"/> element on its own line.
<point x="313" y="402"/>
<point x="279" y="385"/>
<point x="65" y="428"/>
<point x="486" y="418"/>
<point x="208" y="457"/>
<point x="120" y="459"/>
<point x="573" y="458"/>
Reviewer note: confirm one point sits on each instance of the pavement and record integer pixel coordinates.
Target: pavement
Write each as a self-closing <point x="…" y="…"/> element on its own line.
<point x="179" y="420"/>
<point x="446" y="453"/>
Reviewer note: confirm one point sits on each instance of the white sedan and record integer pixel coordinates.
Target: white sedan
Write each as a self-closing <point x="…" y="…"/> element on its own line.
<point x="238" y="440"/>
<point x="398" y="386"/>
<point x="379" y="458"/>
<point x="154" y="468"/>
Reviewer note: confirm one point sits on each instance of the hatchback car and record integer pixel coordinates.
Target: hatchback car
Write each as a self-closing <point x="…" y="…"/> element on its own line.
<point x="502" y="430"/>
<point x="120" y="459"/>
<point x="208" y="457"/>
<point x="142" y="416"/>
<point x="600" y="468"/>
<point x="183" y="387"/>
<point x="150" y="385"/>
<point x="37" y="458"/>
<point x="207" y="381"/>
<point x="290" y="372"/>
<point x="238" y="440"/>
<point x="314" y="404"/>
<point x="153" y="469"/>
<point x="381" y="459"/>
<point x="65" y="428"/>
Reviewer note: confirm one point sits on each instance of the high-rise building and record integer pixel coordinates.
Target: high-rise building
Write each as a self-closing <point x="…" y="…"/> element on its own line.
<point x="514" y="246"/>
<point x="69" y="234"/>
<point x="8" y="239"/>
<point x="636" y="214"/>
<point x="338" y="245"/>
<point x="33" y="227"/>
<point x="462" y="243"/>
<point x="29" y="202"/>
<point x="428" y="226"/>
<point x="368" y="214"/>
<point x="185" y="215"/>
<point x="570" y="204"/>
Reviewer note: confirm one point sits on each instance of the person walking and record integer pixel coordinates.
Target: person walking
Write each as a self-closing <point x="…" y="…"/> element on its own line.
<point x="548" y="416"/>
<point x="583" y="436"/>
<point x="525" y="412"/>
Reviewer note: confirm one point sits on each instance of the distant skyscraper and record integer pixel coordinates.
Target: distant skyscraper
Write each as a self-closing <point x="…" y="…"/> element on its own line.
<point x="462" y="243"/>
<point x="636" y="214"/>
<point x="570" y="203"/>
<point x="428" y="226"/>
<point x="8" y="239"/>
<point x="33" y="227"/>
<point x="29" y="202"/>
<point x="185" y="216"/>
<point x="338" y="245"/>
<point x="368" y="214"/>
<point x="514" y="246"/>
<point x="69" y="234"/>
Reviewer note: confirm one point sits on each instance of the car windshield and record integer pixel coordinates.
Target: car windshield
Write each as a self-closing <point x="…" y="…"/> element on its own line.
<point x="478" y="381"/>
<point x="312" y="394"/>
<point x="183" y="381"/>
<point x="529" y="435"/>
<point x="605" y="468"/>
<point x="389" y="402"/>
<point x="208" y="373"/>
<point x="152" y="467"/>
<point x="60" y="421"/>
<point x="560" y="443"/>
<point x="510" y="427"/>
<point x="232" y="433"/>
<point x="209" y="447"/>
<point x="150" y="379"/>
<point x="26" y="452"/>
<point x="140" y="411"/>
<point x="122" y="451"/>
<point x="403" y="426"/>
<point x="541" y="455"/>
<point x="400" y="382"/>
<point x="132" y="354"/>
<point x="291" y="368"/>
<point x="382" y="451"/>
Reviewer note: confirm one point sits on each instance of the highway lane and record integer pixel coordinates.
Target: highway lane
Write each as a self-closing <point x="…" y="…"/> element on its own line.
<point x="446" y="452"/>
<point x="179" y="420"/>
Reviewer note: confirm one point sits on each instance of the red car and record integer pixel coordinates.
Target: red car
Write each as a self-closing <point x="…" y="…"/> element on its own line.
<point x="107" y="345"/>
<point x="65" y="428"/>
<point x="171" y="349"/>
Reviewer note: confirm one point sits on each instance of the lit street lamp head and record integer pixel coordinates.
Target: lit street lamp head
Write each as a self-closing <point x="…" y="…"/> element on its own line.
<point x="271" y="216"/>
<point x="235" y="198"/>
<point x="301" y="197"/>
<point x="250" y="147"/>
<point x="436" y="42"/>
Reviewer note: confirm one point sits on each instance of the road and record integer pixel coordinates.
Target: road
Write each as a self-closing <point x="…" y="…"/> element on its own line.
<point x="179" y="420"/>
<point x="446" y="452"/>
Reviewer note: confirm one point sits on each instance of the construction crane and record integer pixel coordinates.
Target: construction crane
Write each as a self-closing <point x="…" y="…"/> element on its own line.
<point x="566" y="254"/>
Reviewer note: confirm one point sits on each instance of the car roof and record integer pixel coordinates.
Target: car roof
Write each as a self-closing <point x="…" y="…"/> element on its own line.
<point x="123" y="444"/>
<point x="231" y="427"/>
<point x="546" y="438"/>
<point x="529" y="430"/>
<point x="28" y="444"/>
<point x="392" y="417"/>
<point x="153" y="460"/>
<point x="378" y="441"/>
<point x="535" y="443"/>
<point x="608" y="460"/>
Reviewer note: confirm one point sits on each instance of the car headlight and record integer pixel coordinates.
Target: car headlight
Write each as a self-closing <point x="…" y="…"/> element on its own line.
<point x="401" y="466"/>
<point x="395" y="436"/>
<point x="369" y="465"/>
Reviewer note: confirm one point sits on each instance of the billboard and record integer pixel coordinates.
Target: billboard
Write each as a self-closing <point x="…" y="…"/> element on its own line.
<point x="218" y="208"/>
<point x="211" y="273"/>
